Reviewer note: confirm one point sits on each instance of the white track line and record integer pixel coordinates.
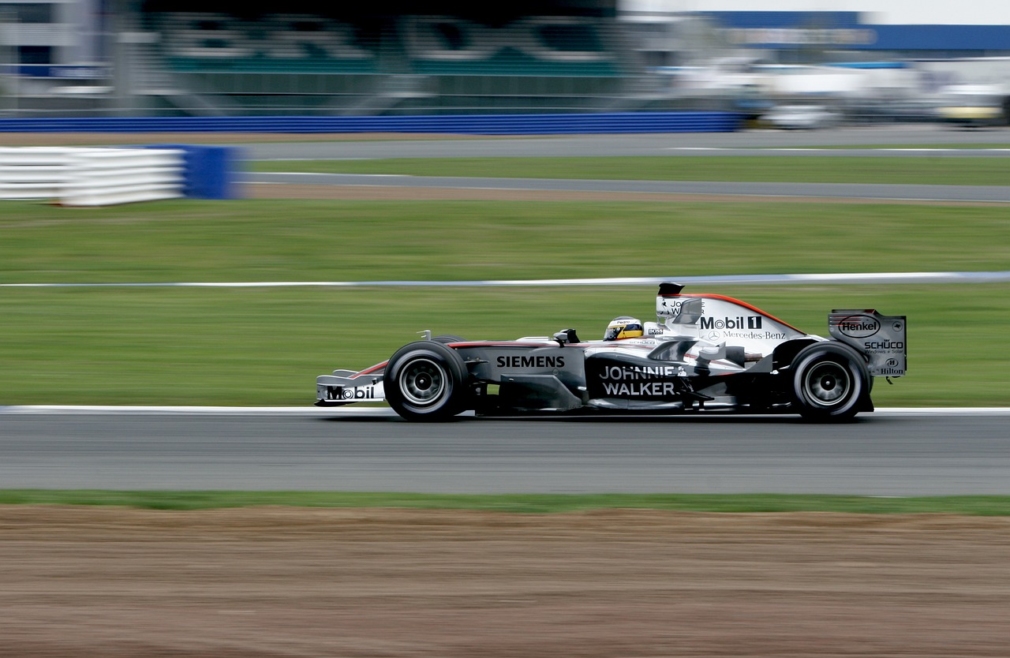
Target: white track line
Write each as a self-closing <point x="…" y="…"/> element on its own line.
<point x="943" y="411"/>
<point x="350" y="410"/>
<point x="740" y="279"/>
<point x="308" y="410"/>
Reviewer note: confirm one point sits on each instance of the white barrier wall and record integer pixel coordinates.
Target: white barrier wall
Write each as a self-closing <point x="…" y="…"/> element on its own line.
<point x="101" y="177"/>
<point x="32" y="173"/>
<point x="91" y="176"/>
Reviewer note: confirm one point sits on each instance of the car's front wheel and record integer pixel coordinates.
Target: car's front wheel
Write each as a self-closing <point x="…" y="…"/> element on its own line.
<point x="830" y="382"/>
<point x="426" y="381"/>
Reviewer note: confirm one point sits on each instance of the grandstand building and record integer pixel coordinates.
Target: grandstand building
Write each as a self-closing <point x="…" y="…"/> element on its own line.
<point x="386" y="58"/>
<point x="218" y="57"/>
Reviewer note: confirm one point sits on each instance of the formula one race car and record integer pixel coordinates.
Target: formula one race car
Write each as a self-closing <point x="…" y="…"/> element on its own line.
<point x="705" y="353"/>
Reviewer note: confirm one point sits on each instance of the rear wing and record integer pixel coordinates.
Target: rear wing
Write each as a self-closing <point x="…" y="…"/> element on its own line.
<point x="880" y="337"/>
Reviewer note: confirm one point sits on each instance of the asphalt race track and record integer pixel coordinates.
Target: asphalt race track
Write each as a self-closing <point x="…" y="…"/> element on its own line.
<point x="913" y="140"/>
<point x="884" y="454"/>
<point x="889" y="453"/>
<point x="777" y="142"/>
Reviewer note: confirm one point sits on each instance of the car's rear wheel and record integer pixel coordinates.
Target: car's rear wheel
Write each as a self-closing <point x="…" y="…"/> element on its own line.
<point x="426" y="381"/>
<point x="830" y="382"/>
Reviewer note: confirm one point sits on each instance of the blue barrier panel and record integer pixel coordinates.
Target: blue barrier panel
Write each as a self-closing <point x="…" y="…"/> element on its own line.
<point x="470" y="124"/>
<point x="210" y="171"/>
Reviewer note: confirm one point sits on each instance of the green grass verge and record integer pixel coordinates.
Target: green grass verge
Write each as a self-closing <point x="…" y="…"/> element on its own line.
<point x="266" y="346"/>
<point x="754" y="169"/>
<point x="981" y="146"/>
<point x="460" y="240"/>
<point x="519" y="503"/>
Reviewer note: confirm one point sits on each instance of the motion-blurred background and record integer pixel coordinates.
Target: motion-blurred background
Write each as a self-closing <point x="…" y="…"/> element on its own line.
<point x="788" y="63"/>
<point x="117" y="294"/>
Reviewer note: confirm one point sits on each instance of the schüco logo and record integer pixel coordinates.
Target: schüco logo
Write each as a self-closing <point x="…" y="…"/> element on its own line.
<point x="858" y="326"/>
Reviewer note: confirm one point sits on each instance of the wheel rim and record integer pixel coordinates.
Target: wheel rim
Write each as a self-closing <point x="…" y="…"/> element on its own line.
<point x="827" y="383"/>
<point x="423" y="382"/>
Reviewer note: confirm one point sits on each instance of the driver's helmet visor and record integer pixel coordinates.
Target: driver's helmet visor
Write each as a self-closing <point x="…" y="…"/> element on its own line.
<point x="612" y="333"/>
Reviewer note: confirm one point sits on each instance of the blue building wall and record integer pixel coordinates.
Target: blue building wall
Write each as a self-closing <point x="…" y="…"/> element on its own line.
<point x="845" y="30"/>
<point x="477" y="124"/>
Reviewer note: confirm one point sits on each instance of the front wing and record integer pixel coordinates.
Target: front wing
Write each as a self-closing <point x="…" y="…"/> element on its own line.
<point x="347" y="386"/>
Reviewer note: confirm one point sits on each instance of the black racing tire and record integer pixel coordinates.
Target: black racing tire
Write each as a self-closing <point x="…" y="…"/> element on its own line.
<point x="426" y="381"/>
<point x="830" y="382"/>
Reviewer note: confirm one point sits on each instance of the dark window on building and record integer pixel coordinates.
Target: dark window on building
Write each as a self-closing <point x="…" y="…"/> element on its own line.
<point x="35" y="54"/>
<point x="32" y="13"/>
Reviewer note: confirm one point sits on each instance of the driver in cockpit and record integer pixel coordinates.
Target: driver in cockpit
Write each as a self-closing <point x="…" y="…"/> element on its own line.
<point x="623" y="327"/>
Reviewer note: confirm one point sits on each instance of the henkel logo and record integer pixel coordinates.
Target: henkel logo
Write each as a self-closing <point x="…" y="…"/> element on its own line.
<point x="858" y="326"/>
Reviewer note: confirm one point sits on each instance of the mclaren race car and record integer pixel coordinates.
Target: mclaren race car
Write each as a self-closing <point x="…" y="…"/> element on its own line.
<point x="704" y="354"/>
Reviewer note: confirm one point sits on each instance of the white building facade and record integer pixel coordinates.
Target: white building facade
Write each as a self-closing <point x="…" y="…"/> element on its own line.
<point x="878" y="29"/>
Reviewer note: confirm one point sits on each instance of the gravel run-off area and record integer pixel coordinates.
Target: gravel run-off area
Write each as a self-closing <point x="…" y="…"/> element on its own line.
<point x="277" y="581"/>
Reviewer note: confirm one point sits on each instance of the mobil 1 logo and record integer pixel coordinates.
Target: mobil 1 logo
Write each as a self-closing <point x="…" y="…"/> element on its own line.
<point x="739" y="322"/>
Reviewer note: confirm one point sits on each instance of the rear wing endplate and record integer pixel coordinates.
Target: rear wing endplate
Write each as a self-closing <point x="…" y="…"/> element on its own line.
<point x="880" y="337"/>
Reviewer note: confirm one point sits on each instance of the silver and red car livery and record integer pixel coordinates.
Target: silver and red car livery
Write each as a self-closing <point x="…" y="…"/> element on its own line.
<point x="705" y="353"/>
